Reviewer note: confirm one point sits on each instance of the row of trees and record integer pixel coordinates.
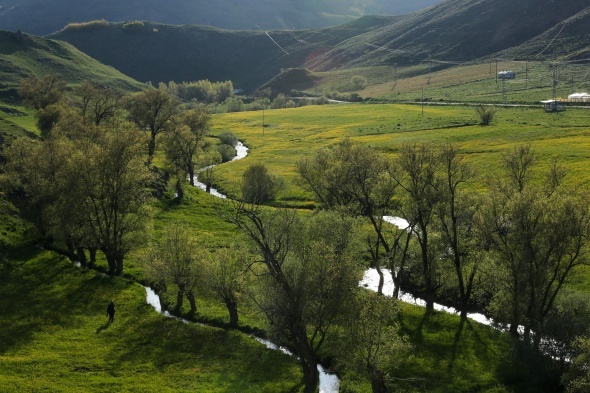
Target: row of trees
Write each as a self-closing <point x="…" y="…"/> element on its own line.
<point x="515" y="246"/>
<point x="203" y="90"/>
<point x="88" y="181"/>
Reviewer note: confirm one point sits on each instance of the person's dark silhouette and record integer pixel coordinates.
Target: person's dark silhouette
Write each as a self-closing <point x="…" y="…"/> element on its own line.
<point x="111" y="311"/>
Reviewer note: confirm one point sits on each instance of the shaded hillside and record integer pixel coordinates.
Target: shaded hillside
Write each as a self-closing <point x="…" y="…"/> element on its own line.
<point x="569" y="40"/>
<point x="43" y="17"/>
<point x="160" y="53"/>
<point x="452" y="31"/>
<point x="455" y="30"/>
<point x="23" y="55"/>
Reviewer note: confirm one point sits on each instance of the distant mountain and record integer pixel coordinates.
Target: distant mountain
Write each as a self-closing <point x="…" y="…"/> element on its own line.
<point x="452" y="31"/>
<point x="455" y="30"/>
<point x="567" y="40"/>
<point x="23" y="55"/>
<point x="42" y="17"/>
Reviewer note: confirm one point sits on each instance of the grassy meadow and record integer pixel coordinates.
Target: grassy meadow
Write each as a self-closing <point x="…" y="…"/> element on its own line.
<point x="289" y="135"/>
<point x="469" y="82"/>
<point x="55" y="336"/>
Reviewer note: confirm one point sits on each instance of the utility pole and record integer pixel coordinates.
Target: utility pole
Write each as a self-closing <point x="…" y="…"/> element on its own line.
<point x="496" y="74"/>
<point x="262" y="119"/>
<point x="422" y="102"/>
<point x="527" y="74"/>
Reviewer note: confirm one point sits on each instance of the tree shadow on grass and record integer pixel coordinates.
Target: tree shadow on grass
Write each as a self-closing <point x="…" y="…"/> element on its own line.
<point x="103" y="327"/>
<point x="240" y="361"/>
<point x="415" y="333"/>
<point x="41" y="289"/>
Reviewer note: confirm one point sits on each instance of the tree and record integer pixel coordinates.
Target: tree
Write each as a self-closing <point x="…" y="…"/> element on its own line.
<point x="577" y="378"/>
<point x="185" y="141"/>
<point x="97" y="103"/>
<point x="40" y="93"/>
<point x="114" y="181"/>
<point x="486" y="114"/>
<point x="372" y="344"/>
<point x="456" y="216"/>
<point x="153" y="110"/>
<point x="207" y="161"/>
<point x="180" y="261"/>
<point x="353" y="178"/>
<point x="416" y="173"/>
<point x="225" y="274"/>
<point x="307" y="273"/>
<point x="537" y="235"/>
<point x="258" y="186"/>
<point x="359" y="82"/>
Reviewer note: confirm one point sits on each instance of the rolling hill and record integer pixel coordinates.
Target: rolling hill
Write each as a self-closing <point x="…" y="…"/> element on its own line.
<point x="455" y="30"/>
<point x="452" y="31"/>
<point x="43" y="17"/>
<point x="23" y="55"/>
<point x="160" y="53"/>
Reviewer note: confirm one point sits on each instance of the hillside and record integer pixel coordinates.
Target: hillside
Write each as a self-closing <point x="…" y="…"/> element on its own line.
<point x="42" y="17"/>
<point x="452" y="31"/>
<point x="455" y="30"/>
<point x="567" y="40"/>
<point x="23" y="55"/>
<point x="160" y="53"/>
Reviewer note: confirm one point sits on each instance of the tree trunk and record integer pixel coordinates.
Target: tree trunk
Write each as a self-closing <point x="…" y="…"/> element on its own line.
<point x="232" y="308"/>
<point x="191" y="299"/>
<point x="311" y="375"/>
<point x="151" y="148"/>
<point x="92" y="252"/>
<point x="179" y="189"/>
<point x="119" y="262"/>
<point x="81" y="255"/>
<point x="112" y="264"/>
<point x="396" y="284"/>
<point x="71" y="250"/>
<point x="381" y="280"/>
<point x="191" y="176"/>
<point x="378" y="381"/>
<point x="179" y="298"/>
<point x="208" y="187"/>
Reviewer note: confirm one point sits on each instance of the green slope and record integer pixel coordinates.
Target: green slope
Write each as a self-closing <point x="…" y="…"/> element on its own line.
<point x="455" y="30"/>
<point x="23" y="55"/>
<point x="160" y="53"/>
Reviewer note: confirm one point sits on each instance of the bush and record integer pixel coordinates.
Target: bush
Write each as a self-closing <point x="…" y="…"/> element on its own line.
<point x="486" y="114"/>
<point x="234" y="104"/>
<point x="359" y="82"/>
<point x="134" y="25"/>
<point x="227" y="138"/>
<point x="227" y="152"/>
<point x="93" y="24"/>
<point x="258" y="186"/>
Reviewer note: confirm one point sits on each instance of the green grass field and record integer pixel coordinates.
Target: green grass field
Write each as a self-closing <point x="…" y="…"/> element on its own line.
<point x="470" y="82"/>
<point x="54" y="337"/>
<point x="291" y="134"/>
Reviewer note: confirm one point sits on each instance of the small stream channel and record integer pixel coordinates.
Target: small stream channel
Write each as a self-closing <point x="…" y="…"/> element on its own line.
<point x="329" y="383"/>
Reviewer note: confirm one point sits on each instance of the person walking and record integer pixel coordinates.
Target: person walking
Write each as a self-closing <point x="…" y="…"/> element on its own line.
<point x="111" y="311"/>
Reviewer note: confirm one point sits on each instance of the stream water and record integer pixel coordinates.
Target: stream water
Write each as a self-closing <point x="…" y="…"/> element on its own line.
<point x="329" y="383"/>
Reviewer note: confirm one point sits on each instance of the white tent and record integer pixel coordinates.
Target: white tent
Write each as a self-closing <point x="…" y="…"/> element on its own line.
<point x="579" y="97"/>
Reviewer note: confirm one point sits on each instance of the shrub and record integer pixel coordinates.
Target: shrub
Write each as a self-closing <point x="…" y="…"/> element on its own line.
<point x="134" y="25"/>
<point x="258" y="186"/>
<point x="359" y="82"/>
<point x="291" y="104"/>
<point x="227" y="152"/>
<point x="227" y="138"/>
<point x="486" y="114"/>
<point x="90" y="25"/>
